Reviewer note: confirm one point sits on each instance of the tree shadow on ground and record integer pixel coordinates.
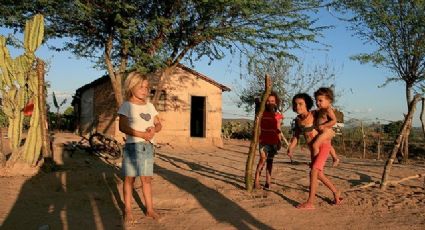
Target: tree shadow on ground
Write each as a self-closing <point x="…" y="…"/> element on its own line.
<point x="220" y="207"/>
<point x="82" y="194"/>
<point x="228" y="178"/>
<point x="232" y="179"/>
<point x="363" y="177"/>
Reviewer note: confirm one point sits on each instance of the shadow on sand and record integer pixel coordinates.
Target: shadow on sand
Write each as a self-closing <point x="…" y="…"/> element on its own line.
<point x="232" y="179"/>
<point x="82" y="194"/>
<point x="220" y="207"/>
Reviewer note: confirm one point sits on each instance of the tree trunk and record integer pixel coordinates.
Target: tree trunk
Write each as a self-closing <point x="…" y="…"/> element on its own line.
<point x="408" y="94"/>
<point x="405" y="152"/>
<point x="254" y="140"/>
<point x="423" y="116"/>
<point x="45" y="136"/>
<point x="115" y="76"/>
<point x="397" y="142"/>
<point x="405" y="148"/>
<point x="399" y="155"/>
<point x="364" y="140"/>
<point x="58" y="120"/>
<point x="379" y="147"/>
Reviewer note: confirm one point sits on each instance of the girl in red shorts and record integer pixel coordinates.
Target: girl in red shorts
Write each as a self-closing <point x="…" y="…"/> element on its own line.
<point x="304" y="125"/>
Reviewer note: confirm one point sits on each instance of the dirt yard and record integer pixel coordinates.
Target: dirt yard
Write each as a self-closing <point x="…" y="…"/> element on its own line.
<point x="199" y="187"/>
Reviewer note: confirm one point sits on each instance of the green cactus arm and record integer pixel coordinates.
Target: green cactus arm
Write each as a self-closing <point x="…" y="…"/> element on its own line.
<point x="8" y="109"/>
<point x="32" y="82"/>
<point x="5" y="61"/>
<point x="21" y="66"/>
<point x="21" y="99"/>
<point x="34" y="33"/>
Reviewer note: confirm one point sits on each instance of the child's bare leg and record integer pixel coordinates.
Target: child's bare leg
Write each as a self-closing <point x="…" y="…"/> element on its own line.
<point x="313" y="189"/>
<point x="326" y="135"/>
<point x="147" y="195"/>
<point x="331" y="186"/>
<point x="260" y="166"/>
<point x="127" y="192"/>
<point x="269" y="169"/>
<point x="335" y="158"/>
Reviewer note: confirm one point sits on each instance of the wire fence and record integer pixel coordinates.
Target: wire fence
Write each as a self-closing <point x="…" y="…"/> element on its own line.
<point x="360" y="138"/>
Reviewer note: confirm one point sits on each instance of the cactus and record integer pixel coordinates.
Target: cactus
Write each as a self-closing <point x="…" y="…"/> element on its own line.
<point x="18" y="82"/>
<point x="34" y="33"/>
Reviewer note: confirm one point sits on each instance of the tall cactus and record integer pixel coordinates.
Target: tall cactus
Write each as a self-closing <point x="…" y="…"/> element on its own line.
<point x="18" y="81"/>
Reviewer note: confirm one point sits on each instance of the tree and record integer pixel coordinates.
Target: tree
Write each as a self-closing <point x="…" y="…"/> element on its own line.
<point x="393" y="128"/>
<point x="58" y="106"/>
<point x="397" y="29"/>
<point x="151" y="34"/>
<point x="289" y="77"/>
<point x="69" y="111"/>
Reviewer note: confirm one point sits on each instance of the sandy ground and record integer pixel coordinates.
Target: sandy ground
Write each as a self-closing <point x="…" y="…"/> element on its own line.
<point x="202" y="187"/>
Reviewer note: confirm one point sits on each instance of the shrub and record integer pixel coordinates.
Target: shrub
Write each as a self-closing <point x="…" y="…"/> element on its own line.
<point x="237" y="130"/>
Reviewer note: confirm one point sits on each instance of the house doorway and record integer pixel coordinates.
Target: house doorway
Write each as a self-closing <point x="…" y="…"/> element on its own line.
<point x="197" y="116"/>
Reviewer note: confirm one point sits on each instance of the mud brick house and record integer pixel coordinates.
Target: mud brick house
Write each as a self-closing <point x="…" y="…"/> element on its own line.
<point x="190" y="108"/>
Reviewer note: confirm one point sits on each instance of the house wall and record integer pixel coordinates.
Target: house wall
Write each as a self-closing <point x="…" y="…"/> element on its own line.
<point x="179" y="87"/>
<point x="105" y="108"/>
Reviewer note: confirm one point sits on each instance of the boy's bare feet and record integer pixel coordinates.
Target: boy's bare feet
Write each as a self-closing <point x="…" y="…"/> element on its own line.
<point x="267" y="186"/>
<point x="152" y="214"/>
<point x="335" y="162"/>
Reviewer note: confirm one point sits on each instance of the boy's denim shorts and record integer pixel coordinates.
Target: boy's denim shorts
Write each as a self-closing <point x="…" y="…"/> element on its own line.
<point x="138" y="159"/>
<point x="269" y="150"/>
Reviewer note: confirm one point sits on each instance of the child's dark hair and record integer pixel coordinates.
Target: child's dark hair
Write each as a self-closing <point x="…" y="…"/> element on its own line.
<point x="324" y="91"/>
<point x="307" y="98"/>
<point x="274" y="94"/>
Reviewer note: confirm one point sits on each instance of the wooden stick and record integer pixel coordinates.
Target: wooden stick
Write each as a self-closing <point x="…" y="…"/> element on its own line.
<point x="393" y="182"/>
<point x="256" y="134"/>
<point x="363" y="186"/>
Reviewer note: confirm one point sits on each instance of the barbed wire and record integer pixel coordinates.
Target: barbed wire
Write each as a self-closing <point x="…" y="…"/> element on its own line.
<point x="245" y="116"/>
<point x="289" y="118"/>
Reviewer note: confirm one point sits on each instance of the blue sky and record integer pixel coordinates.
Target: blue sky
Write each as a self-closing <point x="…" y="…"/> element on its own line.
<point x="361" y="98"/>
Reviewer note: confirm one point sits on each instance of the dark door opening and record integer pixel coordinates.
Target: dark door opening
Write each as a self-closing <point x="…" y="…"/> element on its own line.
<point x="197" y="117"/>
